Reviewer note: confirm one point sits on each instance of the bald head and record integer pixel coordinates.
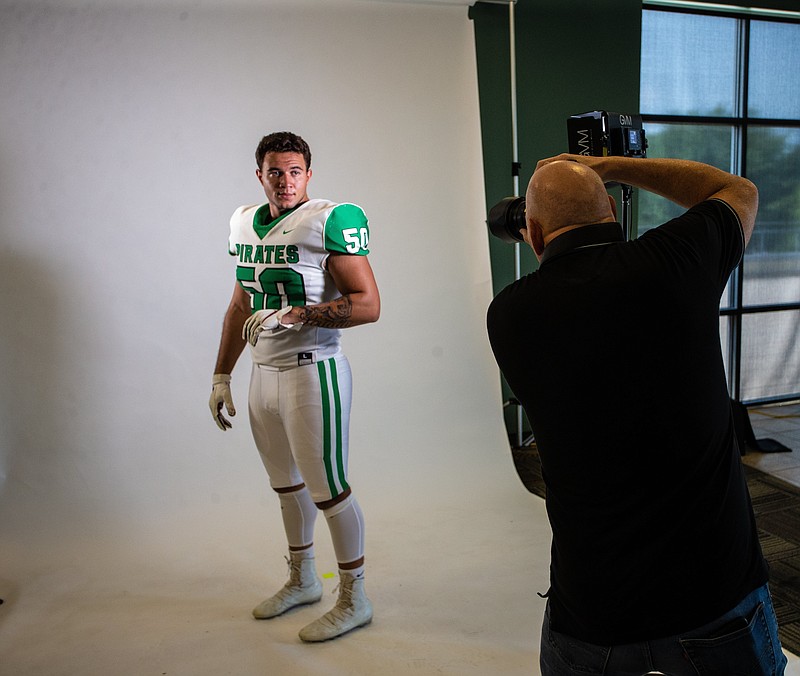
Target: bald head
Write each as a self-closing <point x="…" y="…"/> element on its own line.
<point x="565" y="194"/>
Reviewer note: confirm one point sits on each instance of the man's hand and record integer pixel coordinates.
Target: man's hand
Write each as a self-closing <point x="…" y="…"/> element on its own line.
<point x="221" y="394"/>
<point x="263" y="320"/>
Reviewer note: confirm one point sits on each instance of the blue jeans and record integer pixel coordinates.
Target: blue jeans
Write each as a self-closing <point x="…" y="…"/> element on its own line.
<point x="742" y="642"/>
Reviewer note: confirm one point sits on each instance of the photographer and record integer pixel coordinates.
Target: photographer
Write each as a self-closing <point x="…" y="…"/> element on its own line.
<point x="612" y="347"/>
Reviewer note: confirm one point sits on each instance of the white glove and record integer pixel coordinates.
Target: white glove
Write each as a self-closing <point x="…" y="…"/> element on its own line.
<point x="263" y="320"/>
<point x="221" y="394"/>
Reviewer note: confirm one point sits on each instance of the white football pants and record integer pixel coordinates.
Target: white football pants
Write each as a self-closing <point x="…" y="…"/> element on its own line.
<point x="300" y="419"/>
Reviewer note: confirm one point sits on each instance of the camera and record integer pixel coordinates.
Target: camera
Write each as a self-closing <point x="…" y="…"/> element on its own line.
<point x="599" y="134"/>
<point x="507" y="218"/>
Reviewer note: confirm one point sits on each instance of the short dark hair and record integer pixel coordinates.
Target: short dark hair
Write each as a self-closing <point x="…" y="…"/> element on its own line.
<point x="282" y="142"/>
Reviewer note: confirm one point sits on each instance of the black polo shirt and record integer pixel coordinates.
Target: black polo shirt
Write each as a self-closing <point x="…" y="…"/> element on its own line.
<point x="613" y="349"/>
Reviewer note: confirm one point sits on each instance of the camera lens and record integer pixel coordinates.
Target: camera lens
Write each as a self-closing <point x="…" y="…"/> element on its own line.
<point x="507" y="218"/>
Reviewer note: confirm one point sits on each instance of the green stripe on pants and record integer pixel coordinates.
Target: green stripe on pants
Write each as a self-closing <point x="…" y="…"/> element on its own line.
<point x="331" y="413"/>
<point x="338" y="422"/>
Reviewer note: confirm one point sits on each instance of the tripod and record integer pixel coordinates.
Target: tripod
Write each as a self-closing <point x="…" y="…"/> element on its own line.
<point x="627" y="210"/>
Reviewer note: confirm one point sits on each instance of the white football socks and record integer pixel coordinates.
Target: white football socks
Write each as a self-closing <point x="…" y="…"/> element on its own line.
<point x="346" y="524"/>
<point x="299" y="514"/>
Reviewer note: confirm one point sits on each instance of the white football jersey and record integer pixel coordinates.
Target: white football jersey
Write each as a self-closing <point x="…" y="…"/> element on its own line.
<point x="282" y="262"/>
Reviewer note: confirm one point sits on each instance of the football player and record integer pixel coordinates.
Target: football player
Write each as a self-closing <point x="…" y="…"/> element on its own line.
<point x="302" y="275"/>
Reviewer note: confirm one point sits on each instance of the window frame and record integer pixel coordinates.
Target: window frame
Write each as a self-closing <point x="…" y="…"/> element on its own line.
<point x="735" y="309"/>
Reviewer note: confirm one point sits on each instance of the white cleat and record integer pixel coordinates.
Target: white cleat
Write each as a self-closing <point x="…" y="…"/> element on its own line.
<point x="302" y="588"/>
<point x="352" y="610"/>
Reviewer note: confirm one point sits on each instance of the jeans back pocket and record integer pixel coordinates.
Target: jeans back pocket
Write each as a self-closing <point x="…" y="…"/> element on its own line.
<point x="744" y="651"/>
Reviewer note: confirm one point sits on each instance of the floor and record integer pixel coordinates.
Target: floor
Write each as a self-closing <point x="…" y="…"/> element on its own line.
<point x="454" y="594"/>
<point x="454" y="566"/>
<point x="781" y="423"/>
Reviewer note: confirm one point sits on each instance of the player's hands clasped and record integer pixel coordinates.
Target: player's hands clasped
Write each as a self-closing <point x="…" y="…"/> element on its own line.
<point x="263" y="320"/>
<point x="221" y="394"/>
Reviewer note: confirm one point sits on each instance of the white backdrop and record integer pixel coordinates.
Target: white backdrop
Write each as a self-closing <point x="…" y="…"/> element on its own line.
<point x="127" y="140"/>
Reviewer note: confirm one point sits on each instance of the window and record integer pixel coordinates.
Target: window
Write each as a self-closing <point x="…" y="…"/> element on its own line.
<point x="723" y="89"/>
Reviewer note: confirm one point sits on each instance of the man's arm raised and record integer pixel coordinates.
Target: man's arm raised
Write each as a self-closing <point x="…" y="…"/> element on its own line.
<point x="684" y="182"/>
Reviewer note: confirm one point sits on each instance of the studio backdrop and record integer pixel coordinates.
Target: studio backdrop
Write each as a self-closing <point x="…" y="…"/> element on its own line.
<point x="127" y="141"/>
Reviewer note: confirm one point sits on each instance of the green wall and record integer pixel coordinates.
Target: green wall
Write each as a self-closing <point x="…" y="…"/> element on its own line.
<point x="572" y="56"/>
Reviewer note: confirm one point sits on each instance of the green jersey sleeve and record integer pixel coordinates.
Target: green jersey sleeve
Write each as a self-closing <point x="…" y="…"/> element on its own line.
<point x="347" y="230"/>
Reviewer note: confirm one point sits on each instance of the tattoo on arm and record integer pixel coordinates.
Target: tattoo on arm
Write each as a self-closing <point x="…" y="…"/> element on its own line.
<point x="334" y="315"/>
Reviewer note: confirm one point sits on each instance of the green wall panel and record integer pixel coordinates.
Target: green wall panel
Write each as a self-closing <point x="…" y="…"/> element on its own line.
<point x="491" y="27"/>
<point x="572" y="56"/>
